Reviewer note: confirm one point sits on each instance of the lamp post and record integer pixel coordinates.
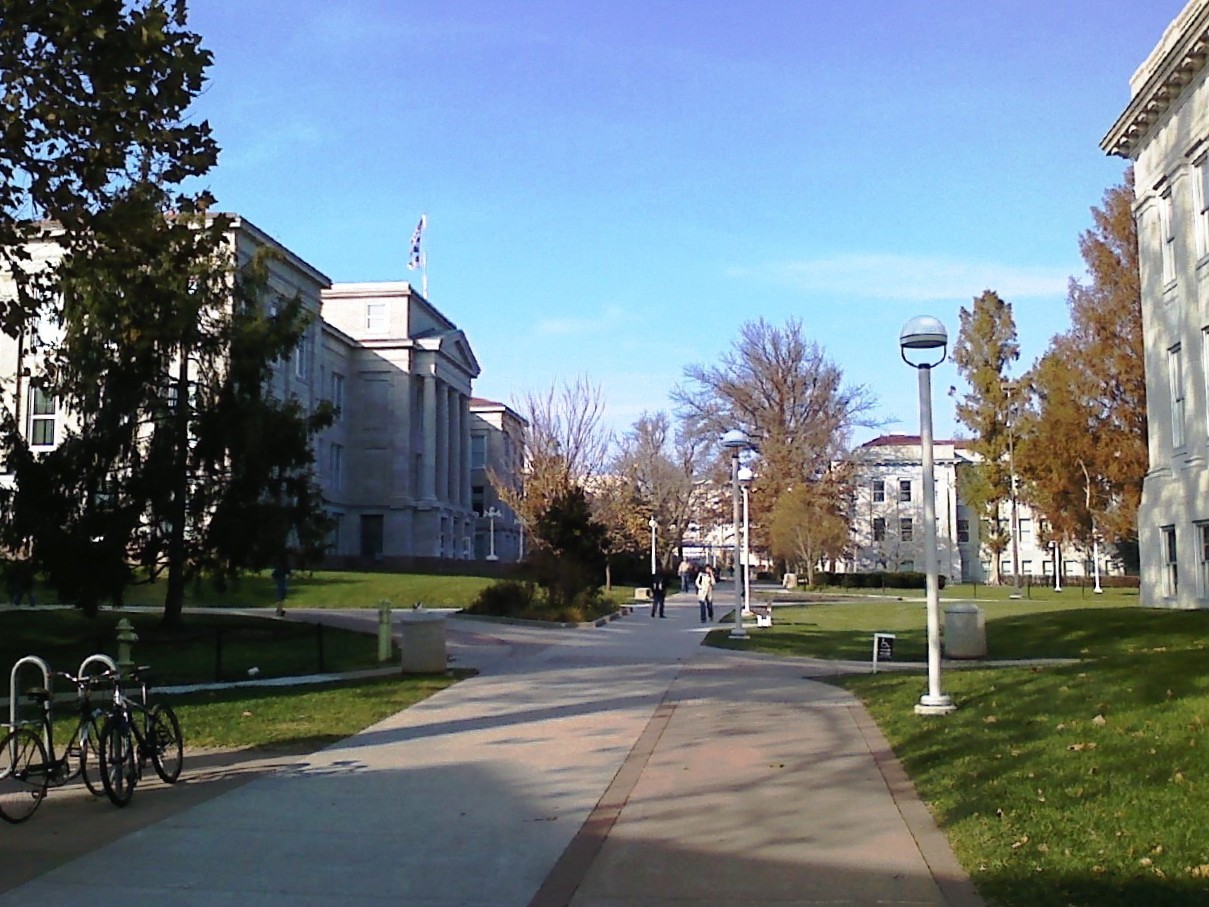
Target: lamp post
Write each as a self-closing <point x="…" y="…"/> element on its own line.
<point x="1057" y="565"/>
<point x="1095" y="559"/>
<point x="925" y="335"/>
<point x="651" y="522"/>
<point x="745" y="479"/>
<point x="736" y="441"/>
<point x="492" y="514"/>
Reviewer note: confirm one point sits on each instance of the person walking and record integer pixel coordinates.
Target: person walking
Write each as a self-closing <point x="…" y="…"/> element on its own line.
<point x="705" y="593"/>
<point x="685" y="570"/>
<point x="658" y="594"/>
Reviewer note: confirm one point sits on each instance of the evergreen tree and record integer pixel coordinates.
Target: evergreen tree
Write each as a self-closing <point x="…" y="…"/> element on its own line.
<point x="986" y="347"/>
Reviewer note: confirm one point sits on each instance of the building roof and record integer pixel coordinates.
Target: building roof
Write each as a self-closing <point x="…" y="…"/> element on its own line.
<point x="905" y="441"/>
<point x="1176" y="61"/>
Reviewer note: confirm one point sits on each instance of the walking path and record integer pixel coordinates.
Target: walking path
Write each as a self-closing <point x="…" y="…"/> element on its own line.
<point x="611" y="767"/>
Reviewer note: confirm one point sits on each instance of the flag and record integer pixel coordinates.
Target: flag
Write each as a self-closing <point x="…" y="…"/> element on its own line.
<point x="416" y="259"/>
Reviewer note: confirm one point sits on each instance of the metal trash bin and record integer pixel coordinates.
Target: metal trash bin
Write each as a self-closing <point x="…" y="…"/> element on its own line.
<point x="790" y="581"/>
<point x="965" y="631"/>
<point x="423" y="642"/>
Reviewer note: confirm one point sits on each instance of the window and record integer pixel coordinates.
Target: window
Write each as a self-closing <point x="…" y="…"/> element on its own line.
<point x="904" y="490"/>
<point x="1202" y="555"/>
<point x="375" y="316"/>
<point x="1005" y="568"/>
<point x="879" y="490"/>
<point x="906" y="529"/>
<point x="1200" y="191"/>
<point x="478" y="451"/>
<point x="879" y="529"/>
<point x="1175" y="385"/>
<point x="338" y="393"/>
<point x="1171" y="573"/>
<point x="302" y="357"/>
<point x="907" y="566"/>
<point x="1024" y="526"/>
<point x="1026" y="568"/>
<point x="1167" y="236"/>
<point x="335" y="466"/>
<point x="42" y="416"/>
<point x="963" y="531"/>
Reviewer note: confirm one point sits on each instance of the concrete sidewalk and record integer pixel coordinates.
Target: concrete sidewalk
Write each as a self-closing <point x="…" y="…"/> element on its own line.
<point x="608" y="767"/>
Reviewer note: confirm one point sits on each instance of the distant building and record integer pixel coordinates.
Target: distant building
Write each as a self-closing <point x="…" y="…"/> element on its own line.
<point x="1165" y="132"/>
<point x="887" y="520"/>
<point x="497" y="446"/>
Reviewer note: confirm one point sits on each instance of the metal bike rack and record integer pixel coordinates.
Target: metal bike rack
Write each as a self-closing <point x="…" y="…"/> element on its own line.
<point x="100" y="658"/>
<point x="14" y="695"/>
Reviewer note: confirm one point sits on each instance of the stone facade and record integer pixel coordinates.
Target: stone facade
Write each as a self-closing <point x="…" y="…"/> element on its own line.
<point x="1165" y="132"/>
<point x="497" y="445"/>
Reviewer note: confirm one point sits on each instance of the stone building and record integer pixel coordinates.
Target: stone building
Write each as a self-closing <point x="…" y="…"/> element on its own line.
<point x="395" y="467"/>
<point x="1165" y="131"/>
<point x="497" y="446"/>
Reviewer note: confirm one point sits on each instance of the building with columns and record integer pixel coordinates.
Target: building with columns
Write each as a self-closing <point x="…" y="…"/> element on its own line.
<point x="1164" y="130"/>
<point x="395" y="467"/>
<point x="395" y="470"/>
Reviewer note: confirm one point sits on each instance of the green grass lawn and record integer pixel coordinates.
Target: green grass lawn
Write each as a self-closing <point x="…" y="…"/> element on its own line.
<point x="303" y="717"/>
<point x="1081" y="784"/>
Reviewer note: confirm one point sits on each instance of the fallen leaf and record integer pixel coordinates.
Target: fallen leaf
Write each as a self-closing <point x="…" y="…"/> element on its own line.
<point x="1099" y="721"/>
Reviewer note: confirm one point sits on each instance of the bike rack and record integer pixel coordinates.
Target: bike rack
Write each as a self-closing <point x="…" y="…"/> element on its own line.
<point x="13" y="690"/>
<point x="100" y="658"/>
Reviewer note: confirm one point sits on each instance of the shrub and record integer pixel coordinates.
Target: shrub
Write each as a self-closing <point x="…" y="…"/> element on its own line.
<point x="508" y="598"/>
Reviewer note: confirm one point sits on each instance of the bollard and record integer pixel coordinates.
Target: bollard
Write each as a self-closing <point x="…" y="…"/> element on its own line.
<point x="384" y="641"/>
<point x="126" y="639"/>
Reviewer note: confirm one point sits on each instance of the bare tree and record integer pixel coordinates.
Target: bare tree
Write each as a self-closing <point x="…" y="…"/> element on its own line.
<point x="786" y="394"/>
<point x="665" y="469"/>
<point x="565" y="447"/>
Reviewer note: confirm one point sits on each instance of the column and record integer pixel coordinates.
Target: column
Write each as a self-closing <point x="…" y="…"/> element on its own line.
<point x="441" y="430"/>
<point x="454" y="490"/>
<point x="428" y="474"/>
<point x="467" y="492"/>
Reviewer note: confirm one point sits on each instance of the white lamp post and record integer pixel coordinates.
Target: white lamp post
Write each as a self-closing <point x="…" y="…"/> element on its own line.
<point x="651" y="522"/>
<point x="745" y="479"/>
<point x="1057" y="565"/>
<point x="925" y="336"/>
<point x="492" y="514"/>
<point x="736" y="441"/>
<point x="1095" y="559"/>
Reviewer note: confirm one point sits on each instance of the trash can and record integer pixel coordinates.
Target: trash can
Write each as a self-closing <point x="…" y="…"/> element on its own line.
<point x="965" y="631"/>
<point x="423" y="642"/>
<point x="790" y="581"/>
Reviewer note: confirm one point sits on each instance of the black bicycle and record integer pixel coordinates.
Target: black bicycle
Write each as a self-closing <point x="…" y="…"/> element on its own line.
<point x="134" y="732"/>
<point x="28" y="761"/>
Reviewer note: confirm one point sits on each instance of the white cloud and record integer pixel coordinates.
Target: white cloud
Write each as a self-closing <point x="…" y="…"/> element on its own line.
<point x="612" y="317"/>
<point x="903" y="277"/>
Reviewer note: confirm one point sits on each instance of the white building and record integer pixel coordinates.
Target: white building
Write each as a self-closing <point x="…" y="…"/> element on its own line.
<point x="1165" y="132"/>
<point x="395" y="467"/>
<point x="887" y="520"/>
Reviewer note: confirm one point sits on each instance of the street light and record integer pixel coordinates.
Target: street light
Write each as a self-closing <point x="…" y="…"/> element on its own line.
<point x="651" y="522"/>
<point x="736" y="441"/>
<point x="1057" y="565"/>
<point x="745" y="479"/>
<point x="926" y="334"/>
<point x="492" y="514"/>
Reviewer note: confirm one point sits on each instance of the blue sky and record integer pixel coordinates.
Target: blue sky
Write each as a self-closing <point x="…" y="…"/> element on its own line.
<point x="613" y="189"/>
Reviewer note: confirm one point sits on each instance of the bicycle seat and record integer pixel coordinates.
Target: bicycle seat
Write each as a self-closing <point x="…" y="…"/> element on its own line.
<point x="39" y="694"/>
<point x="142" y="673"/>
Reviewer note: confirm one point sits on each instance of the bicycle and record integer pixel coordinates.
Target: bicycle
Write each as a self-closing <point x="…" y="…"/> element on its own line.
<point x="29" y="764"/>
<point x="133" y="733"/>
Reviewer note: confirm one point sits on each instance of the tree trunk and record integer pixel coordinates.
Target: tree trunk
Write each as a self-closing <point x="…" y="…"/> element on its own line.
<point x="174" y="597"/>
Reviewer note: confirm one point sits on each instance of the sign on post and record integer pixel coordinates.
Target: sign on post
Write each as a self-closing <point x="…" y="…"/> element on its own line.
<point x="883" y="648"/>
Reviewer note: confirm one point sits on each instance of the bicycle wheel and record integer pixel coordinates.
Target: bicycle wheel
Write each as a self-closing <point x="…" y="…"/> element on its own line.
<point x="89" y="741"/>
<point x="118" y="760"/>
<point x="164" y="739"/>
<point x="23" y="776"/>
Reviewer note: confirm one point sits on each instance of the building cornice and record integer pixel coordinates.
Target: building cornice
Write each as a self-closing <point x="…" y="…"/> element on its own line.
<point x="1174" y="64"/>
